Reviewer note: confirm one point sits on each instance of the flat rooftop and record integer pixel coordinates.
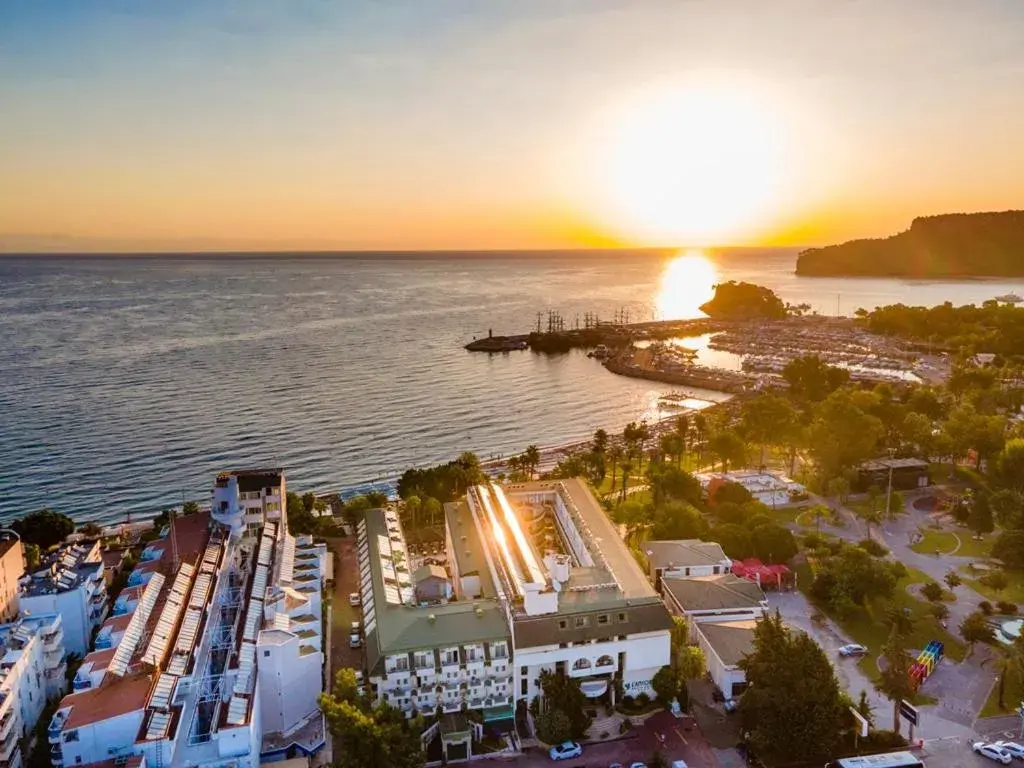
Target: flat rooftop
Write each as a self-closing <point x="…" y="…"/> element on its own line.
<point x="712" y="593"/>
<point x="730" y="640"/>
<point x="613" y="560"/>
<point x="683" y="553"/>
<point x="395" y="623"/>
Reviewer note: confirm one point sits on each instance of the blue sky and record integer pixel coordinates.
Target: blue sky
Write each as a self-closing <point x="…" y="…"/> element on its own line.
<point x="435" y="123"/>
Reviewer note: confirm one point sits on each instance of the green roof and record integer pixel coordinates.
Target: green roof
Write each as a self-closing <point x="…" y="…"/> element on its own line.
<point x="399" y="628"/>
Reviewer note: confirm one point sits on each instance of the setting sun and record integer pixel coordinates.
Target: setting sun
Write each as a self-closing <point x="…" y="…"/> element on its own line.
<point x="687" y="282"/>
<point x="693" y="165"/>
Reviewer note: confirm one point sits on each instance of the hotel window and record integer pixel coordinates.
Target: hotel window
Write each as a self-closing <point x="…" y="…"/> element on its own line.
<point x="602" y="619"/>
<point x="563" y="624"/>
<point x="716" y="569"/>
<point x="621" y="618"/>
<point x="581" y="621"/>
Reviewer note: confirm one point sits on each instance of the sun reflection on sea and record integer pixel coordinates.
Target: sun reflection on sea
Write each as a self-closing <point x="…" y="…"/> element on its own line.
<point x="687" y="282"/>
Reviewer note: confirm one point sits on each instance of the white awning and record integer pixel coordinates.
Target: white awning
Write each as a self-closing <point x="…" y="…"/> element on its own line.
<point x="593" y="688"/>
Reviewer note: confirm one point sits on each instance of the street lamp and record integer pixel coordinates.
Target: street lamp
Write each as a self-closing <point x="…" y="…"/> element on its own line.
<point x="888" y="491"/>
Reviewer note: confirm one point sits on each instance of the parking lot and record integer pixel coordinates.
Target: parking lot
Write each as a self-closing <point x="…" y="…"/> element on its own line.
<point x="346" y="572"/>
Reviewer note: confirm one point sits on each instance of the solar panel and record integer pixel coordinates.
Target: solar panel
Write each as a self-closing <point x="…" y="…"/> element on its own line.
<point x="383" y="545"/>
<point x="252" y="620"/>
<point x="200" y="591"/>
<point x="163" y="693"/>
<point x="408" y="595"/>
<point x="281" y="621"/>
<point x="391" y="595"/>
<point x="259" y="581"/>
<point x="287" y="560"/>
<point x="270" y="529"/>
<point x="266" y="547"/>
<point x="158" y="723"/>
<point x="237" y="711"/>
<point x="178" y="664"/>
<point x="189" y="629"/>
<point x="133" y="633"/>
<point x="246" y="666"/>
<point x="211" y="557"/>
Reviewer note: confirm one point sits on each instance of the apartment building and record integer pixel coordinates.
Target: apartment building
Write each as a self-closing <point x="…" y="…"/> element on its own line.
<point x="445" y="646"/>
<point x="12" y="567"/>
<point x="32" y="671"/>
<point x="220" y="658"/>
<point x="69" y="582"/>
<point x="255" y="495"/>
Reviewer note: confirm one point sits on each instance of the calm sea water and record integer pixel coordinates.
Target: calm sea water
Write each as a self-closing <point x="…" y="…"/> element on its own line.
<point x="125" y="384"/>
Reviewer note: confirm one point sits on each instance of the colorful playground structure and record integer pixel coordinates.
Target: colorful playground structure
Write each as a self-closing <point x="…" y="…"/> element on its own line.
<point x="926" y="662"/>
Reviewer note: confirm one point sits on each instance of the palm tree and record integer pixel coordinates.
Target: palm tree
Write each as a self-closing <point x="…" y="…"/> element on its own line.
<point x="700" y="426"/>
<point x="643" y="434"/>
<point x="600" y="441"/>
<point x="682" y="432"/>
<point x="614" y="457"/>
<point x="531" y="459"/>
<point x="627" y="467"/>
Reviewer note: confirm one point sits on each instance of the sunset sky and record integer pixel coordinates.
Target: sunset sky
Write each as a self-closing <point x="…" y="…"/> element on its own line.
<point x="367" y="124"/>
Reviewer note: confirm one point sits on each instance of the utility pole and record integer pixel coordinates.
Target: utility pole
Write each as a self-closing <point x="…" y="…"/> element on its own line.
<point x="888" y="490"/>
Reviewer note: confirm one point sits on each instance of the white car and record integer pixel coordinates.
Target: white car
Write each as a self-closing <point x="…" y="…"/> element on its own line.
<point x="354" y="599"/>
<point x="853" y="649"/>
<point x="355" y="640"/>
<point x="565" y="751"/>
<point x="356" y="628"/>
<point x="638" y="765"/>
<point x="992" y="752"/>
<point x="1012" y="747"/>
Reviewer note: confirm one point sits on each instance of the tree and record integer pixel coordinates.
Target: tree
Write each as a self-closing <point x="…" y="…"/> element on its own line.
<point x="931" y="591"/>
<point x="730" y="492"/>
<point x="872" y="513"/>
<point x="812" y="380"/>
<point x="742" y="301"/>
<point x="365" y="735"/>
<point x="729" y="448"/>
<point x="773" y="543"/>
<point x="682" y="431"/>
<point x="952" y="580"/>
<point x="553" y="726"/>
<point x="1009" y="469"/>
<point x="308" y="500"/>
<point x="842" y="435"/>
<point x="300" y="519"/>
<point x="997" y="580"/>
<point x="615" y="455"/>
<point x="1008" y="508"/>
<point x="894" y="681"/>
<point x="32" y="556"/>
<point x="767" y="420"/>
<point x="690" y="662"/>
<point x="976" y="629"/>
<point x="563" y="693"/>
<point x="980" y="519"/>
<point x="678" y="520"/>
<point x="734" y="539"/>
<point x="671" y="483"/>
<point x="700" y="429"/>
<point x="600" y="444"/>
<point x="852" y="577"/>
<point x="90" y="530"/>
<point x="44" y="528"/>
<point x="190" y="508"/>
<point x="1009" y="548"/>
<point x="666" y="684"/>
<point x="793" y="709"/>
<point x="531" y="458"/>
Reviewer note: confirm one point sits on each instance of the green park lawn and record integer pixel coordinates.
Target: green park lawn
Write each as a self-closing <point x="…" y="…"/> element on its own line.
<point x="869" y="626"/>
<point x="969" y="547"/>
<point x="1014" y="592"/>
<point x="1013" y="695"/>
<point x="943" y="541"/>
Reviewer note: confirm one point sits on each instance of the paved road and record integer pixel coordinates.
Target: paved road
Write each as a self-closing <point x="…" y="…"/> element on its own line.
<point x="679" y="744"/>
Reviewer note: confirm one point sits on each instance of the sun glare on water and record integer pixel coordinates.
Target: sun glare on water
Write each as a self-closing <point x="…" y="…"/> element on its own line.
<point x="687" y="282"/>
<point x="693" y="165"/>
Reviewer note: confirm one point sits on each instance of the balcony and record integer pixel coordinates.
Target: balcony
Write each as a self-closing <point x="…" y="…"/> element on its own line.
<point x="56" y="673"/>
<point x="7" y="722"/>
<point x="57" y="725"/>
<point x="8" y="745"/>
<point x="15" y="761"/>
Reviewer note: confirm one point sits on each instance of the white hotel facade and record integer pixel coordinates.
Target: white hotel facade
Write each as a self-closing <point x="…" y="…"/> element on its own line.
<point x="539" y="580"/>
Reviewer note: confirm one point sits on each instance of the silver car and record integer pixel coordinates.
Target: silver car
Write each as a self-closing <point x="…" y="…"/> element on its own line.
<point x="992" y="752"/>
<point x="1012" y="747"/>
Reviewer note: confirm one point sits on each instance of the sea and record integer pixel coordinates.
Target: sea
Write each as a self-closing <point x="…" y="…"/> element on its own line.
<point x="126" y="383"/>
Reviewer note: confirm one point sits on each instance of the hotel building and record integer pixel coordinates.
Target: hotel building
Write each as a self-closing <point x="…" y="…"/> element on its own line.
<point x="32" y="671"/>
<point x="214" y="655"/>
<point x="534" y="577"/>
<point x="69" y="582"/>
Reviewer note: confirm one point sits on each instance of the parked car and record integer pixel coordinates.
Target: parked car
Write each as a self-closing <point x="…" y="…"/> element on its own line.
<point x="678" y="764"/>
<point x="1012" y="747"/>
<point x="730" y="706"/>
<point x="638" y="765"/>
<point x="565" y="751"/>
<point x="356" y="628"/>
<point x="354" y="599"/>
<point x="355" y="640"/>
<point x="853" y="649"/>
<point x="992" y="752"/>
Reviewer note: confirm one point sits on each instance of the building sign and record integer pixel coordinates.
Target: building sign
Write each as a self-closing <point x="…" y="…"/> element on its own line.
<point x="636" y="687"/>
<point x="908" y="712"/>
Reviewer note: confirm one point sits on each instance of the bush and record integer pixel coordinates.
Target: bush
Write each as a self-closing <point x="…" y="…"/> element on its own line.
<point x="996" y="580"/>
<point x="605" y="734"/>
<point x="872" y="547"/>
<point x="939" y="611"/>
<point x="642" y="700"/>
<point x="628" y="701"/>
<point x="899" y="570"/>
<point x="985" y="607"/>
<point x="625" y="726"/>
<point x="814" y="541"/>
<point x="1006" y="608"/>
<point x="932" y="591"/>
<point x="553" y="727"/>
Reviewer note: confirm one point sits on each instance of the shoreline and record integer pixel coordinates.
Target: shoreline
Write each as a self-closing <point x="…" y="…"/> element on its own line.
<point x="550" y="455"/>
